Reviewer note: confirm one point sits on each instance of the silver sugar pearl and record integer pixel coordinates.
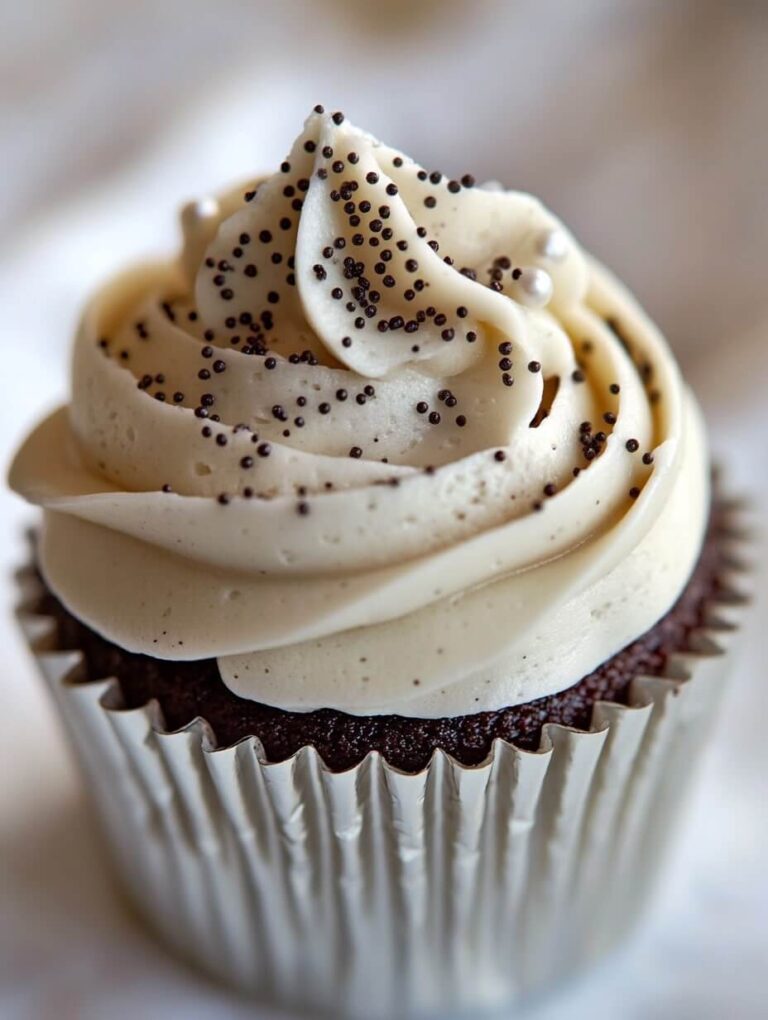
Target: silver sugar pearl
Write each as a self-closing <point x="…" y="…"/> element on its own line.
<point x="198" y="211"/>
<point x="534" y="287"/>
<point x="553" y="245"/>
<point x="198" y="225"/>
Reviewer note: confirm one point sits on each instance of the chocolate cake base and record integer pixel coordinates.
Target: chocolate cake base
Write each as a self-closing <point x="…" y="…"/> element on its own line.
<point x="185" y="691"/>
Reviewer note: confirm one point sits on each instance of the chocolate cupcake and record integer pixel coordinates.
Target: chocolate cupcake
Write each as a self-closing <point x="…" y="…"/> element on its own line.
<point x="382" y="585"/>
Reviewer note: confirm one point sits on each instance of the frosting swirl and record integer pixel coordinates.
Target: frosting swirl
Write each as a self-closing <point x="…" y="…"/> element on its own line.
<point x="379" y="440"/>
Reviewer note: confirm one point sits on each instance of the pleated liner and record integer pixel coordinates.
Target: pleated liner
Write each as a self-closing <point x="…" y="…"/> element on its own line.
<point x="381" y="894"/>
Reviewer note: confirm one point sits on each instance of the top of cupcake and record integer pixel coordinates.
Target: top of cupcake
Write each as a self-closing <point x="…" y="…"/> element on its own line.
<point x="379" y="440"/>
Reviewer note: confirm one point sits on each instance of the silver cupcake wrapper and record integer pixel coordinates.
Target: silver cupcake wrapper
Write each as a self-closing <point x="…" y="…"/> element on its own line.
<point x="381" y="894"/>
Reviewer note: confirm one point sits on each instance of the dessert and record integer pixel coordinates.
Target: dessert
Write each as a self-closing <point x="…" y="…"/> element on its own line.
<point x="383" y="469"/>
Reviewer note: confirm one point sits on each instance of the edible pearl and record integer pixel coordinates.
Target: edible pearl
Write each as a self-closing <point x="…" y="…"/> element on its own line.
<point x="200" y="209"/>
<point x="534" y="287"/>
<point x="553" y="244"/>
<point x="492" y="186"/>
<point x="198" y="225"/>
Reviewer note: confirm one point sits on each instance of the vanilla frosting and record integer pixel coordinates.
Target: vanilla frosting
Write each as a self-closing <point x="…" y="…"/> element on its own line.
<point x="378" y="440"/>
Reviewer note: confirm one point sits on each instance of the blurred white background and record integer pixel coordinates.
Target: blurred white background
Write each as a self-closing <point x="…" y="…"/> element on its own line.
<point x="641" y="122"/>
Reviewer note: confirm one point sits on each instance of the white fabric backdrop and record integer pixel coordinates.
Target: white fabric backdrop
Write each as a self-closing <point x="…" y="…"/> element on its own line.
<point x="641" y="123"/>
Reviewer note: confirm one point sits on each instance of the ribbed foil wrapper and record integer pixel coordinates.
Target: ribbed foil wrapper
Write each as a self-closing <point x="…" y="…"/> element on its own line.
<point x="374" y="893"/>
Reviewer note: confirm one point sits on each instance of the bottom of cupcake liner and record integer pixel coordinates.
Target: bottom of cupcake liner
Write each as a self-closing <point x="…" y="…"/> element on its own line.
<point x="378" y="893"/>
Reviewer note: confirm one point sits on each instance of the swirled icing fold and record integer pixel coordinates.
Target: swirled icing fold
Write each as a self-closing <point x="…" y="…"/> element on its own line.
<point x="378" y="440"/>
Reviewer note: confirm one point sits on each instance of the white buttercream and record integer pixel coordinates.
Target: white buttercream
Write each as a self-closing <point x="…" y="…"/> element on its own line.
<point x="430" y="575"/>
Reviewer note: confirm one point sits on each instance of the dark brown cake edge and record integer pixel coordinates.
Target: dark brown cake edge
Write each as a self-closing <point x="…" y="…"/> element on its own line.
<point x="184" y="693"/>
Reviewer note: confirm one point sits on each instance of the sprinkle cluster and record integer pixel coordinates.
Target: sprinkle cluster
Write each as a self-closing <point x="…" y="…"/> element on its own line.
<point x="371" y="271"/>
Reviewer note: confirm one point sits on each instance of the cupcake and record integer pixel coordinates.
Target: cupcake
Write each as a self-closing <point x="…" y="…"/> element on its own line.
<point x="380" y="585"/>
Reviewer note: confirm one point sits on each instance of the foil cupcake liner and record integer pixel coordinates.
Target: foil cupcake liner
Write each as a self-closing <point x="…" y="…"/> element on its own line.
<point x="381" y="894"/>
